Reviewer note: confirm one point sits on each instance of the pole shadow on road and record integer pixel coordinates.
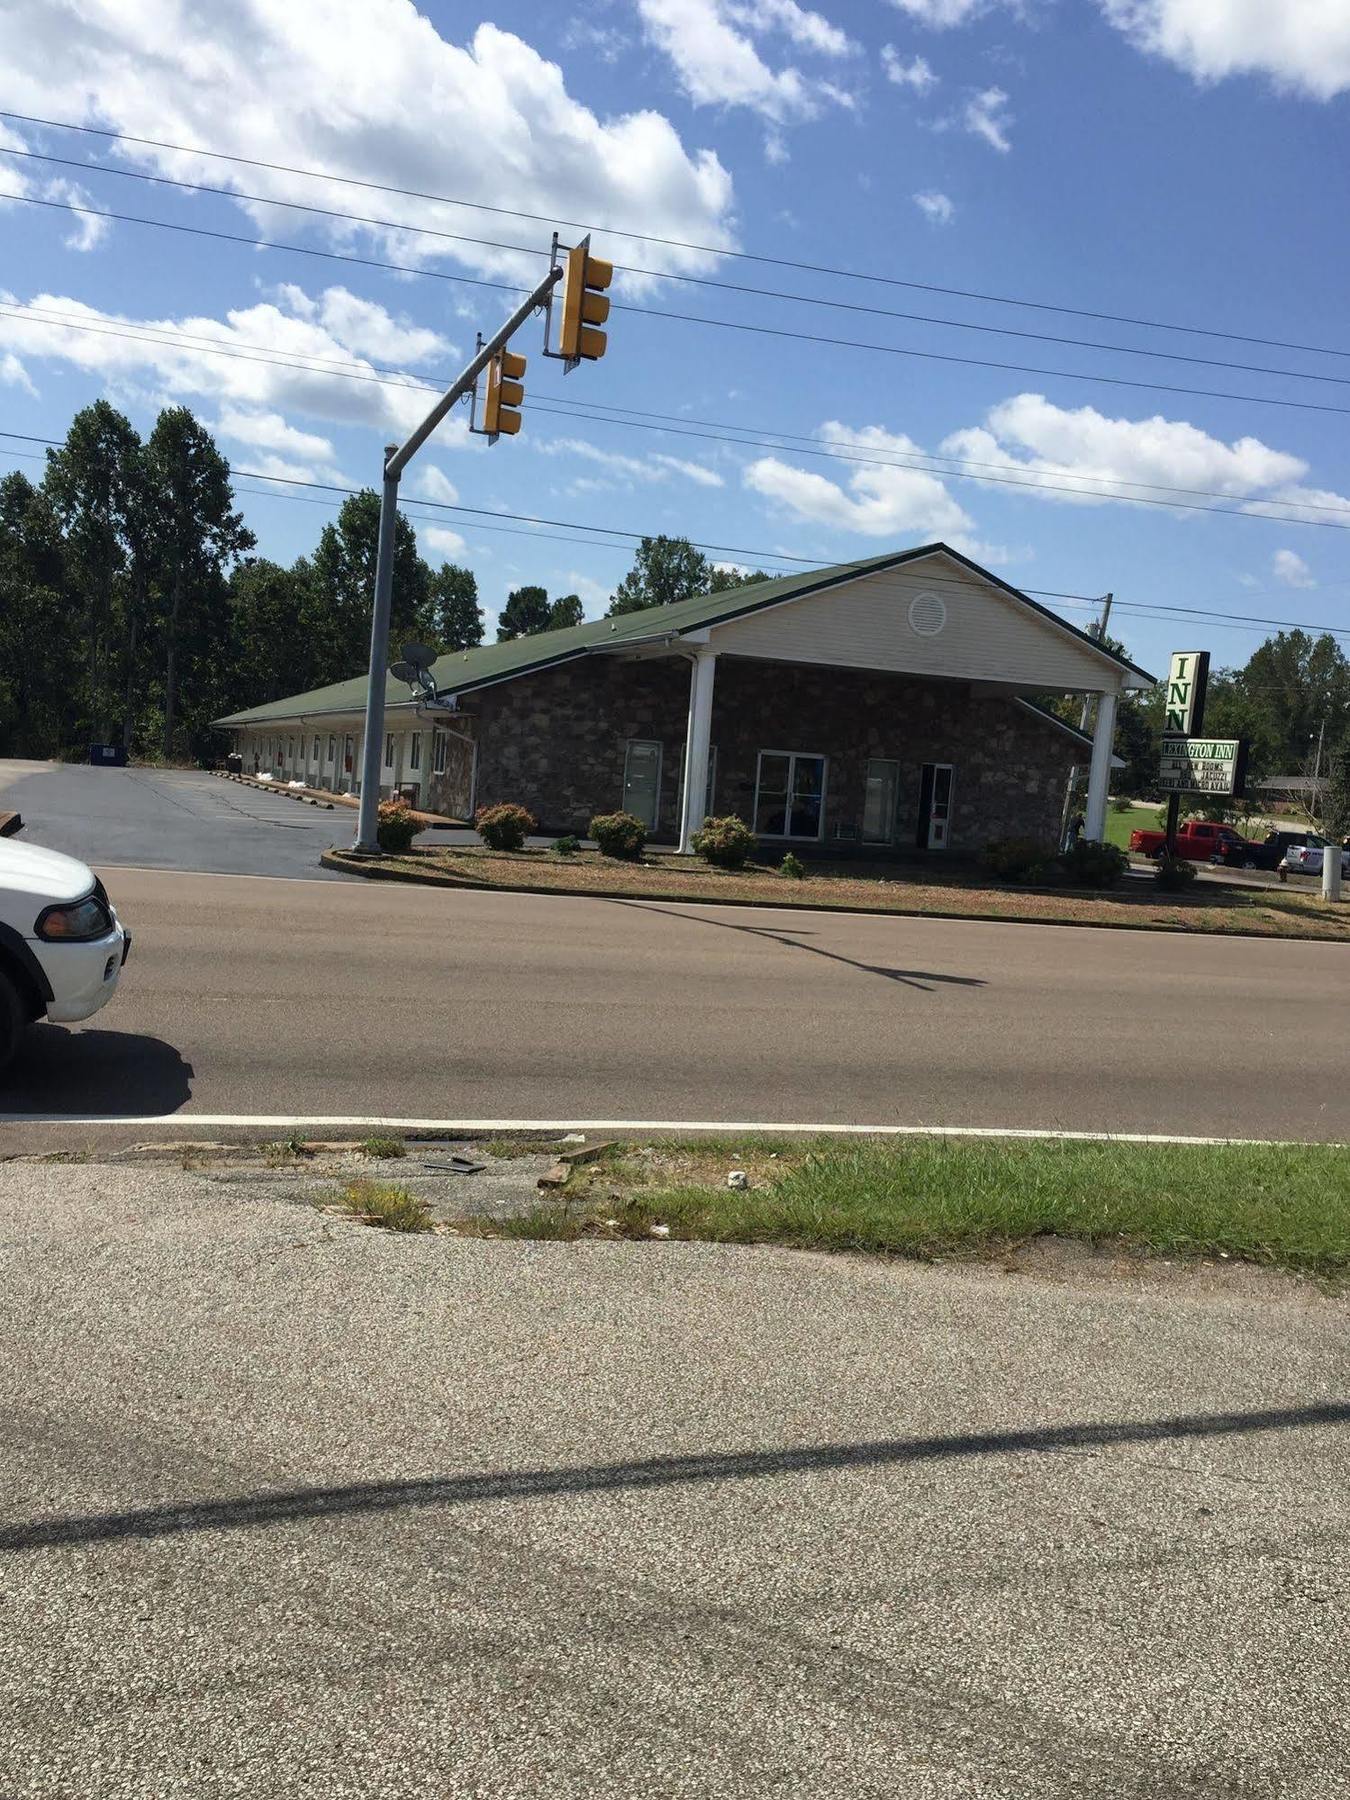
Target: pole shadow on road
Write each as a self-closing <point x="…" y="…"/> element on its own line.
<point x="923" y="979"/>
<point x="118" y="1073"/>
<point x="275" y="1508"/>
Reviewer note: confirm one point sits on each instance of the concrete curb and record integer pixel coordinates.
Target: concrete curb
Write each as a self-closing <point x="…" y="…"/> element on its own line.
<point x="10" y="823"/>
<point x="374" y="871"/>
<point x="321" y="797"/>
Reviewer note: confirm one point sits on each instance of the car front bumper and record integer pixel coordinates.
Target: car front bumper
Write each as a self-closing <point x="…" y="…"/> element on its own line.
<point x="82" y="977"/>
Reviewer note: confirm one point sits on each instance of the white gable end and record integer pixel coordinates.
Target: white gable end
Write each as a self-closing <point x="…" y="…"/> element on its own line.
<point x="928" y="618"/>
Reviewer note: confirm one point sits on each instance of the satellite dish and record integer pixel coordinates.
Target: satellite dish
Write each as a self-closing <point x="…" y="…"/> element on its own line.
<point x="404" y="671"/>
<point x="420" y="654"/>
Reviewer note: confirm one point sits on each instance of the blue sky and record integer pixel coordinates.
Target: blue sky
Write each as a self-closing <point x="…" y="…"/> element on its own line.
<point x="1180" y="161"/>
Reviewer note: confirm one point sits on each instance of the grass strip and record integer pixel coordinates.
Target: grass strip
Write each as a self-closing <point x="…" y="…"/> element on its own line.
<point x="1283" y="1207"/>
<point x="381" y="1203"/>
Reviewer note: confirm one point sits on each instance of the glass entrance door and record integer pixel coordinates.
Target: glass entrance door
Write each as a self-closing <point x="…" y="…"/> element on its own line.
<point x="642" y="781"/>
<point x="935" y="806"/>
<point x="880" y="797"/>
<point x="790" y="794"/>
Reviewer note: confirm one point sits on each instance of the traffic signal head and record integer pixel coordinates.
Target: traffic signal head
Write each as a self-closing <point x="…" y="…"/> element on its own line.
<point x="584" y="306"/>
<point x="505" y="391"/>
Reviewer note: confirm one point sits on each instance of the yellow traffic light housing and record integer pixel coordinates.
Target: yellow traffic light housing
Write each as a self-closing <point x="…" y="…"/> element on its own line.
<point x="504" y="394"/>
<point x="584" y="306"/>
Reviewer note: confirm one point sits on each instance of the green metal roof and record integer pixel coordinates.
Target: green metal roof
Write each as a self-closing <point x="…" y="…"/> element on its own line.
<point x="463" y="670"/>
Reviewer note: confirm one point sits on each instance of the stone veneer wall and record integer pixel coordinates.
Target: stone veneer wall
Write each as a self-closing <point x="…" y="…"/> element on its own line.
<point x="555" y="742"/>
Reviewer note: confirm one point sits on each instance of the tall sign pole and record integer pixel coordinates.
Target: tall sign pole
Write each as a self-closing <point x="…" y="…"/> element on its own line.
<point x="1183" y="714"/>
<point x="396" y="459"/>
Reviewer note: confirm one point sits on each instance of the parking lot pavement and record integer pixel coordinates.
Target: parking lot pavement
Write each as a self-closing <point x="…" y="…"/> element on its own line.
<point x="293" y="1506"/>
<point x="171" y="819"/>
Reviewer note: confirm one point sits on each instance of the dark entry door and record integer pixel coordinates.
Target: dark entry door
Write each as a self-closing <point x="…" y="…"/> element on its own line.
<point x="935" y="806"/>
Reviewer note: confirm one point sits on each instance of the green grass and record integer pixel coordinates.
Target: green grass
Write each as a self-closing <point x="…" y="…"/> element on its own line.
<point x="379" y="1203"/>
<point x="1119" y="825"/>
<point x="388" y="1148"/>
<point x="1288" y="1208"/>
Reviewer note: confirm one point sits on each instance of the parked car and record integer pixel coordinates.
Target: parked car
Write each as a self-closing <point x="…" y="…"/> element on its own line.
<point x="1268" y="854"/>
<point x="1306" y="859"/>
<point x="61" y="945"/>
<point x="1198" y="841"/>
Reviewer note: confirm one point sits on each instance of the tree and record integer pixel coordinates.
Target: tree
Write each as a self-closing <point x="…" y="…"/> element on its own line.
<point x="89" y="481"/>
<point x="724" y="578"/>
<point x="526" y="612"/>
<point x="451" y="618"/>
<point x="270" y="653"/>
<point x="1336" y="795"/>
<point x="36" y="699"/>
<point x="665" y="569"/>
<point x="344" y="587"/>
<point x="198" y="534"/>
<point x="565" y="611"/>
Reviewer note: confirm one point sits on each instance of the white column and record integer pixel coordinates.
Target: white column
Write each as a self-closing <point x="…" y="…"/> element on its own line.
<point x="1099" y="771"/>
<point x="698" y="736"/>
<point x="1331" y="870"/>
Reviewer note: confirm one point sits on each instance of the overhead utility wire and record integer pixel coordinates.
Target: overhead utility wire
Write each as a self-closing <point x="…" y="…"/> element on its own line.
<point x="776" y="556"/>
<point x="644" y="237"/>
<point x="653" y="312"/>
<point x="731" y="287"/>
<point x="765" y="438"/>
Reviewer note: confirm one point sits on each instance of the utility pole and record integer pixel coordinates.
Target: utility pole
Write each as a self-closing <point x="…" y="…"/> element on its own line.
<point x="396" y="459"/>
<point x="1096" y="630"/>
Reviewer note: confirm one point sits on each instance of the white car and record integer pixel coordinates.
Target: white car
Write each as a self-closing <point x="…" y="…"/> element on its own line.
<point x="1306" y="859"/>
<point x="61" y="946"/>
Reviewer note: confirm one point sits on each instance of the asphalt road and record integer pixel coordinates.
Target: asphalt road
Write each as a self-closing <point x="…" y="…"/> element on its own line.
<point x="170" y="819"/>
<point x="277" y="998"/>
<point x="305" y="1509"/>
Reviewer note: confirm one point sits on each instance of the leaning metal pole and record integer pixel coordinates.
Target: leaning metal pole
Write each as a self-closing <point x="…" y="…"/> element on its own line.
<point x="396" y="459"/>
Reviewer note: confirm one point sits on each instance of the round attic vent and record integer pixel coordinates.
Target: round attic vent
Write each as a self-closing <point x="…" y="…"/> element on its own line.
<point x="927" y="614"/>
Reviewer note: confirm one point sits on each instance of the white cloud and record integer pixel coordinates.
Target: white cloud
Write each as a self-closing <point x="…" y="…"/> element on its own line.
<point x="365" y="326"/>
<point x="1298" y="502"/>
<point x="87" y="230"/>
<point x="875" y="499"/>
<point x="916" y="74"/>
<point x="1289" y="567"/>
<point x="986" y="116"/>
<point x="591" y="592"/>
<point x="693" y="471"/>
<point x="269" y="431"/>
<point x="720" y="65"/>
<point x="1302" y="45"/>
<point x="936" y="208"/>
<point x="1057" y="447"/>
<point x="182" y="358"/>
<point x="371" y="91"/>
<point x="430" y="483"/>
<point x="440" y="538"/>
<point x="13" y="373"/>
<point x="656" y="467"/>
<point x="940" y="15"/>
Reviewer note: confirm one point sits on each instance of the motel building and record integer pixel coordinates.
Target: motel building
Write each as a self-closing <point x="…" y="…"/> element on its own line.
<point x="876" y="705"/>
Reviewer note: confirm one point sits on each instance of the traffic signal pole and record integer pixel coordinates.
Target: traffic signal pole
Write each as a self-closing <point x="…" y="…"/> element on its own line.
<point x="396" y="459"/>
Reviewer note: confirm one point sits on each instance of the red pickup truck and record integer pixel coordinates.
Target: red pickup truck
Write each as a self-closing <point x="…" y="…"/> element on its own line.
<point x="1197" y="841"/>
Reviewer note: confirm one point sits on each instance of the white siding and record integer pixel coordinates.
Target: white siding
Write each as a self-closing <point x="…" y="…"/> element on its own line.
<point x="864" y="624"/>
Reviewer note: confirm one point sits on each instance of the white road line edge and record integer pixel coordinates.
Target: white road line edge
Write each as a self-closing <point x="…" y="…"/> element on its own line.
<point x="476" y="1127"/>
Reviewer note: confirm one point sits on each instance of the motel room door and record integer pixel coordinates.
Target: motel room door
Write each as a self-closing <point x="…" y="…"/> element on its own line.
<point x="642" y="781"/>
<point x="935" y="806"/>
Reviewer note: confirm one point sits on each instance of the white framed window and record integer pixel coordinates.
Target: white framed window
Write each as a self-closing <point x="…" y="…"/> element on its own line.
<point x="881" y="799"/>
<point x="790" y="794"/>
<point x="415" y="751"/>
<point x="389" y="750"/>
<point x="332" y="746"/>
<point x="438" y="752"/>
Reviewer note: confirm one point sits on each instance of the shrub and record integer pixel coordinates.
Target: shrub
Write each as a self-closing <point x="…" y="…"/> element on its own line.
<point x="726" y="843"/>
<point x="620" y="835"/>
<point x="1086" y="864"/>
<point x="396" y="827"/>
<point x="1173" y="874"/>
<point x="566" y="846"/>
<point x="504" y="827"/>
<point x="1020" y="859"/>
<point x="793" y="867"/>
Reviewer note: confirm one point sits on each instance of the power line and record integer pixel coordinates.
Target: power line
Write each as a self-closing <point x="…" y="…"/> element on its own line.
<point x="803" y="447"/>
<point x="731" y="287"/>
<point x="653" y="312"/>
<point x="772" y="556"/>
<point x="668" y="242"/>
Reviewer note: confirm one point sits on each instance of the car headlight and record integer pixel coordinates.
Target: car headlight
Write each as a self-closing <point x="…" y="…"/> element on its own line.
<point x="75" y="923"/>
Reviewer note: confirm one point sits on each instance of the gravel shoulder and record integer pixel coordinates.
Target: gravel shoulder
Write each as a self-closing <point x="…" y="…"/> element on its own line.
<point x="292" y="1506"/>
